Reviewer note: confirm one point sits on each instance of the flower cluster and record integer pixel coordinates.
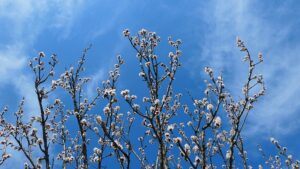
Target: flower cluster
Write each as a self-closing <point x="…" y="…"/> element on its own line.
<point x="281" y="160"/>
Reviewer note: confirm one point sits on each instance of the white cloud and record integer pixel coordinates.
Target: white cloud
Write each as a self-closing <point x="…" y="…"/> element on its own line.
<point x="12" y="74"/>
<point x="96" y="81"/>
<point x="65" y="12"/>
<point x="11" y="61"/>
<point x="109" y="20"/>
<point x="28" y="18"/>
<point x="23" y="22"/>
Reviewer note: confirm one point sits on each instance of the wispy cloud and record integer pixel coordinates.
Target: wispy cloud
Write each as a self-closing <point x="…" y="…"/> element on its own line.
<point x="96" y="80"/>
<point x="11" y="60"/>
<point x="109" y="20"/>
<point x="22" y="22"/>
<point x="26" y="19"/>
<point x="65" y="13"/>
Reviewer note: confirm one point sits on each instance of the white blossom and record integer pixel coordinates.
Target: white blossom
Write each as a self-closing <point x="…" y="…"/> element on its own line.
<point x="217" y="121"/>
<point x="210" y="107"/>
<point x="177" y="140"/>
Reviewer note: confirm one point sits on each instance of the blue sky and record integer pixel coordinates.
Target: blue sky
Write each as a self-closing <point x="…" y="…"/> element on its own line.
<point x="207" y="28"/>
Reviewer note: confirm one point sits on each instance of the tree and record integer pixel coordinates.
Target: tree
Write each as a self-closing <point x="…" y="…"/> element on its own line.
<point x="205" y="133"/>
